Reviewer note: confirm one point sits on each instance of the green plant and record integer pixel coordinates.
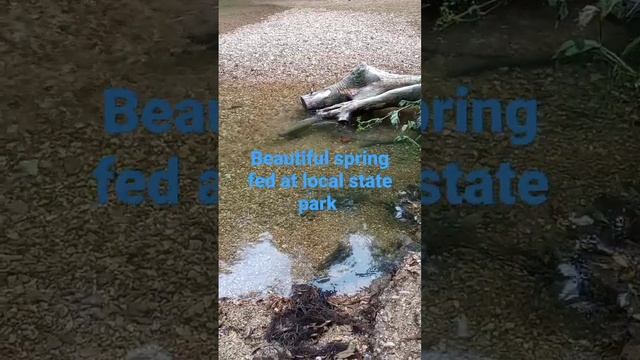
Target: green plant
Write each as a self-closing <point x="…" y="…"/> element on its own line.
<point x="453" y="12"/>
<point x="600" y="11"/>
<point x="394" y="117"/>
<point x="562" y="8"/>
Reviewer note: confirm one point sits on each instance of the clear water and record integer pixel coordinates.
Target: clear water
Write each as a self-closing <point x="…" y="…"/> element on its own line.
<point x="261" y="270"/>
<point x="355" y="272"/>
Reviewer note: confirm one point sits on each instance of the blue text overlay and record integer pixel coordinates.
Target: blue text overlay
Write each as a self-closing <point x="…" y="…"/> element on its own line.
<point x="518" y="117"/>
<point x="123" y="114"/>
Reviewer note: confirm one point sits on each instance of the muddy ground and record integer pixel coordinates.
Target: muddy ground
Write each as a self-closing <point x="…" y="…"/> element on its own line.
<point x="484" y="294"/>
<point x="77" y="280"/>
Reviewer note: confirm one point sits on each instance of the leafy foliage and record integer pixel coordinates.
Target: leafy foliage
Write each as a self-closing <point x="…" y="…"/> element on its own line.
<point x="604" y="8"/>
<point x="457" y="11"/>
<point x="405" y="130"/>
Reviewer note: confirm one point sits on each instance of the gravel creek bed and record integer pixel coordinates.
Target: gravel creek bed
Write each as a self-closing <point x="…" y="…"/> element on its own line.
<point x="77" y="280"/>
<point x="314" y="45"/>
<point x="489" y="291"/>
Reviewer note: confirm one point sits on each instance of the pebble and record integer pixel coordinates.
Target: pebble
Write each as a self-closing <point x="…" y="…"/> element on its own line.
<point x="53" y="342"/>
<point x="195" y="244"/>
<point x="462" y="327"/>
<point x="72" y="165"/>
<point x="148" y="352"/>
<point x="18" y="207"/>
<point x="29" y="167"/>
<point x="630" y="352"/>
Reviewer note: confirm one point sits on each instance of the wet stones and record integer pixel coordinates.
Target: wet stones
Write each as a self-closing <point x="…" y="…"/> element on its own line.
<point x="601" y="272"/>
<point x="407" y="208"/>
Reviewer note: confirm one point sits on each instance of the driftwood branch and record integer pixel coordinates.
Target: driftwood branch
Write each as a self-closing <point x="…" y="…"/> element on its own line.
<point x="344" y="111"/>
<point x="364" y="88"/>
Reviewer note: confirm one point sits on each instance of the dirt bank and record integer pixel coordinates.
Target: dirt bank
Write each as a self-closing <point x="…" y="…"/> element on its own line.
<point x="489" y="284"/>
<point x="383" y="322"/>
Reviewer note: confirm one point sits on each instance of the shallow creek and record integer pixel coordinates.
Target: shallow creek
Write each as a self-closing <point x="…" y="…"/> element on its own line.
<point x="251" y="118"/>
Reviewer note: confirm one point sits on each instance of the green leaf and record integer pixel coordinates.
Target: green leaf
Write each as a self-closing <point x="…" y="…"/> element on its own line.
<point x="576" y="47"/>
<point x="562" y="50"/>
<point x="561" y="6"/>
<point x="607" y="6"/>
<point x="395" y="118"/>
<point x="631" y="47"/>
<point x="599" y="216"/>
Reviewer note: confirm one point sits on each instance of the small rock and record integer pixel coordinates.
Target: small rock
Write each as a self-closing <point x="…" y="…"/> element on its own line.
<point x="46" y="164"/>
<point x="29" y="167"/>
<point x="195" y="244"/>
<point x="89" y="353"/>
<point x="624" y="300"/>
<point x="140" y="308"/>
<point x="12" y="129"/>
<point x="196" y="309"/>
<point x="53" y="342"/>
<point x="581" y="221"/>
<point x="94" y="300"/>
<point x="183" y="331"/>
<point x="148" y="352"/>
<point x="462" y="327"/>
<point x="471" y="221"/>
<point x="621" y="260"/>
<point x="630" y="352"/>
<point x="72" y="165"/>
<point x="348" y="352"/>
<point x="18" y="207"/>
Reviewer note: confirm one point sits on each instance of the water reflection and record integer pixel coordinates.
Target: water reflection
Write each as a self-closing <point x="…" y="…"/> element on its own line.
<point x="355" y="272"/>
<point x="261" y="270"/>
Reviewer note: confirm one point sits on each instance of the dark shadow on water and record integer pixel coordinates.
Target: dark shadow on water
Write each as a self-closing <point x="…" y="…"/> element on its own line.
<point x="353" y="268"/>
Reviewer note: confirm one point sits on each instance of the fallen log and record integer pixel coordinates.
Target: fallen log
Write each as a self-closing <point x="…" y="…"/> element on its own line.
<point x="343" y="112"/>
<point x="362" y="82"/>
<point x="364" y="88"/>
